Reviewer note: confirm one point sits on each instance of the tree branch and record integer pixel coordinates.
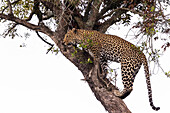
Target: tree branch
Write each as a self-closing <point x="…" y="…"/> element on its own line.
<point x="131" y="10"/>
<point x="53" y="5"/>
<point x="116" y="17"/>
<point x="11" y="4"/>
<point x="44" y="29"/>
<point x="86" y="14"/>
<point x="93" y="15"/>
<point x="10" y="8"/>
<point x="9" y="30"/>
<point x="45" y="41"/>
<point x="109" y="5"/>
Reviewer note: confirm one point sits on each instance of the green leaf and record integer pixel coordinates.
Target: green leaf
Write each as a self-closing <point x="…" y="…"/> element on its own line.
<point x="72" y="54"/>
<point x="89" y="60"/>
<point x="167" y="74"/>
<point x="152" y="8"/>
<point x="81" y="62"/>
<point x="111" y="70"/>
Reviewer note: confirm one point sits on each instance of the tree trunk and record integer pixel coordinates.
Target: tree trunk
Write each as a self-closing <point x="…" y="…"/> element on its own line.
<point x="110" y="102"/>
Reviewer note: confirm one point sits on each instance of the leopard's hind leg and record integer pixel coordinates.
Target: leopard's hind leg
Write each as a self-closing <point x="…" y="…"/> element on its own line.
<point x="129" y="69"/>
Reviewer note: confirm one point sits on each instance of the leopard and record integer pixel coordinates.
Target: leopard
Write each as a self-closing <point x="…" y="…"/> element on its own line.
<point x="105" y="48"/>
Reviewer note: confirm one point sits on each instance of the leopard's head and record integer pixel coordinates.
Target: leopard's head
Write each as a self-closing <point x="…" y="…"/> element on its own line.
<point x="71" y="37"/>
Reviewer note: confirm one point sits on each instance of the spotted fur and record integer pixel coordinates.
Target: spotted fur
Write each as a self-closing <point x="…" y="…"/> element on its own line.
<point x="105" y="48"/>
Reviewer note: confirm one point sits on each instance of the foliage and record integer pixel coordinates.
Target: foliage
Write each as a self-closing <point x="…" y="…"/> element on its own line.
<point x="167" y="73"/>
<point x="152" y="12"/>
<point x="97" y="15"/>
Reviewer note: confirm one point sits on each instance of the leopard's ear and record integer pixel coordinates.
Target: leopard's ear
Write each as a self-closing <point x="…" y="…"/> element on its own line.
<point x="74" y="30"/>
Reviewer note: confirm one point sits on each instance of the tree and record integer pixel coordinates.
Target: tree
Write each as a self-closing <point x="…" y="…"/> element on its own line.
<point x="92" y="15"/>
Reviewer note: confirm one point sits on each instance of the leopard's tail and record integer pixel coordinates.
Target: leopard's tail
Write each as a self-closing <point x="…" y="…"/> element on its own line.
<point x="145" y="63"/>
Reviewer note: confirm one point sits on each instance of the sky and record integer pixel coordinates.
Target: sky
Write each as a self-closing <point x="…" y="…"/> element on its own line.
<point x="32" y="81"/>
